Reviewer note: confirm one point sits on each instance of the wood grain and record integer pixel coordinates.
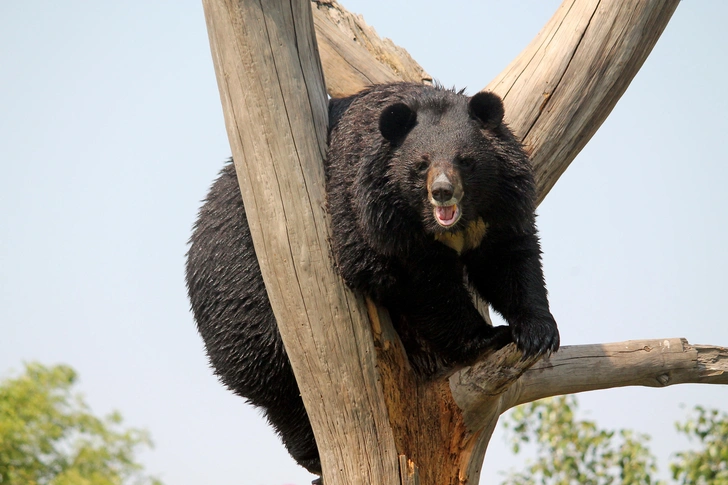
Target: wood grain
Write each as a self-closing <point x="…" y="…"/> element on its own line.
<point x="273" y="97"/>
<point x="354" y="56"/>
<point x="650" y="363"/>
<point x="374" y="421"/>
<point x="562" y="87"/>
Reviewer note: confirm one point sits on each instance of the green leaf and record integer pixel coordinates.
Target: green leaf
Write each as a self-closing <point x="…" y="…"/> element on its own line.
<point x="709" y="464"/>
<point x="48" y="435"/>
<point x="571" y="451"/>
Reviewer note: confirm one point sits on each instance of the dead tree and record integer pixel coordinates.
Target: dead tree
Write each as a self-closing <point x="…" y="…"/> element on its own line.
<point x="375" y="423"/>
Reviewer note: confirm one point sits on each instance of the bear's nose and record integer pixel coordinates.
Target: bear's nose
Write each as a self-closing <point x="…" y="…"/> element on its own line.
<point x="442" y="190"/>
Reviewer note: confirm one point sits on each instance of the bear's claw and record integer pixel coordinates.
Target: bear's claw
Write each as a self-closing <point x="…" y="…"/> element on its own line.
<point x="536" y="338"/>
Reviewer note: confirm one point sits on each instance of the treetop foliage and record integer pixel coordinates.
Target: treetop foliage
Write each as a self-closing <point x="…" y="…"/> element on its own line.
<point x="571" y="450"/>
<point x="48" y="435"/>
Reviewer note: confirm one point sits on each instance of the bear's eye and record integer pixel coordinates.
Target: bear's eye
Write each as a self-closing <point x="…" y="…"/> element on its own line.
<point x="422" y="165"/>
<point x="466" y="162"/>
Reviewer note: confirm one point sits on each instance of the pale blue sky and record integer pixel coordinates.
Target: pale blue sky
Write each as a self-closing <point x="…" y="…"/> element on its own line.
<point x="111" y="132"/>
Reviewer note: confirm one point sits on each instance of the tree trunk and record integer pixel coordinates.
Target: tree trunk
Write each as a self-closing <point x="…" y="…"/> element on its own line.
<point x="273" y="97"/>
<point x="374" y="421"/>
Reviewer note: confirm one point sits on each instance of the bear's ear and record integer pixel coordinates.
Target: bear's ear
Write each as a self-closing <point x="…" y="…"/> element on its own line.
<point x="396" y="121"/>
<point x="486" y="107"/>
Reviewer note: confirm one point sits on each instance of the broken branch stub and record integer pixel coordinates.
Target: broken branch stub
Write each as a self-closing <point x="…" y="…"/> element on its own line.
<point x="354" y="56"/>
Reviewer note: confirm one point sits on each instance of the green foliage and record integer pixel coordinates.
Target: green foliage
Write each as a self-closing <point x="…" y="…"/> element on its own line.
<point x="709" y="465"/>
<point x="572" y="451"/>
<point x="49" y="437"/>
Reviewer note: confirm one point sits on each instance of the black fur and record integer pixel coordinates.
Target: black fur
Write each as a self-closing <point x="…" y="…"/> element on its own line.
<point x="396" y="121"/>
<point x="385" y="144"/>
<point x="488" y="108"/>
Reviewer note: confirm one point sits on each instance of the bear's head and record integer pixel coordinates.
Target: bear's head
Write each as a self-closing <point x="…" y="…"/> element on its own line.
<point x="439" y="148"/>
<point x="456" y="166"/>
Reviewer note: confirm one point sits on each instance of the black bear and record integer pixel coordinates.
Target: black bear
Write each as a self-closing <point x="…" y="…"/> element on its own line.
<point x="428" y="191"/>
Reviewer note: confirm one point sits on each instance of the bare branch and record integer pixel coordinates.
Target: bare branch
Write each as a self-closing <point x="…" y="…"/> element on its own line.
<point x="562" y="87"/>
<point x="651" y="363"/>
<point x="478" y="390"/>
<point x="354" y="56"/>
<point x="581" y="368"/>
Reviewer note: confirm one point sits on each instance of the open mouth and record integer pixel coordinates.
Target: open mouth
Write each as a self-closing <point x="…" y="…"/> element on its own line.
<point x="447" y="215"/>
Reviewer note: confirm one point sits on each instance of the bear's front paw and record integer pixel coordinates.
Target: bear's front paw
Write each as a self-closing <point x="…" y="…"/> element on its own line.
<point x="536" y="336"/>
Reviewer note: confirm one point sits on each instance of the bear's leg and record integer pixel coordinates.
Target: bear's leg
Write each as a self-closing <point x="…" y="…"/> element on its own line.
<point x="506" y="271"/>
<point x="435" y="304"/>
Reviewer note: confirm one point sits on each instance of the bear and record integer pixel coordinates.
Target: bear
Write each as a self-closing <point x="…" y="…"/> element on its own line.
<point x="429" y="193"/>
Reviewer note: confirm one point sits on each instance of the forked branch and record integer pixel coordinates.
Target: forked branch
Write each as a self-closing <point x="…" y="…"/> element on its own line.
<point x="364" y="404"/>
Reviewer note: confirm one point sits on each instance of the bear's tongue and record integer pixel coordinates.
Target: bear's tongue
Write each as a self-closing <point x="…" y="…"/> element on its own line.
<point x="446" y="215"/>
